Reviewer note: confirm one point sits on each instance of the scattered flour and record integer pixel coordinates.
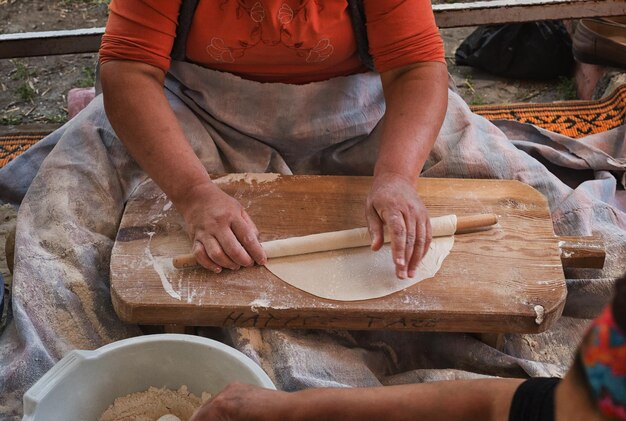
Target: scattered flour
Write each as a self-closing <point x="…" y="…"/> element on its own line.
<point x="260" y="302"/>
<point x="154" y="404"/>
<point x="160" y="265"/>
<point x="249" y="178"/>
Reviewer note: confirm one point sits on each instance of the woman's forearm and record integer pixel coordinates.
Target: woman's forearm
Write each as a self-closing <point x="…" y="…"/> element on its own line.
<point x="482" y="400"/>
<point x="222" y="233"/>
<point x="144" y="121"/>
<point x="416" y="99"/>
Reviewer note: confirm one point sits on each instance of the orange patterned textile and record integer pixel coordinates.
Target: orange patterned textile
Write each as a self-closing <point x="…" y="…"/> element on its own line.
<point x="12" y="145"/>
<point x="571" y="118"/>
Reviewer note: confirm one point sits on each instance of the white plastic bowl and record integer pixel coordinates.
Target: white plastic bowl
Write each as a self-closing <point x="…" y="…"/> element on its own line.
<point x="84" y="383"/>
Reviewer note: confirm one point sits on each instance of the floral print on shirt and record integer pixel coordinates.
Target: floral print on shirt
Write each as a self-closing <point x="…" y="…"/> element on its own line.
<point x="260" y="16"/>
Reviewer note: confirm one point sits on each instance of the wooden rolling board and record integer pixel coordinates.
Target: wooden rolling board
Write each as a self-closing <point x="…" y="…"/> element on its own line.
<point x="506" y="279"/>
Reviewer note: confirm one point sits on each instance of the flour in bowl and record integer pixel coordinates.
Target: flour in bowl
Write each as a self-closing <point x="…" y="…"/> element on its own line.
<point x="154" y="403"/>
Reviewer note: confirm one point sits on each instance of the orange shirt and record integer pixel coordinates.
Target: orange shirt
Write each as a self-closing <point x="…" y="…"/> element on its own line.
<point x="290" y="41"/>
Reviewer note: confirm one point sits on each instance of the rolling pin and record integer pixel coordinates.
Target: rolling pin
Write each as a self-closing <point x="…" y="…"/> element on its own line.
<point x="357" y="237"/>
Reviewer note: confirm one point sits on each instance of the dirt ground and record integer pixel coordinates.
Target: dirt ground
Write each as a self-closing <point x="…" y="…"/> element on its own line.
<point x="34" y="90"/>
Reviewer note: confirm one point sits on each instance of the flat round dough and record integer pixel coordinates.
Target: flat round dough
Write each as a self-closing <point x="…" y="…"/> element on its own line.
<point x="356" y="273"/>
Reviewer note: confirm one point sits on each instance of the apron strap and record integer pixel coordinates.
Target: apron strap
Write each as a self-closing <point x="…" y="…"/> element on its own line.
<point x="357" y="15"/>
<point x="185" y="17"/>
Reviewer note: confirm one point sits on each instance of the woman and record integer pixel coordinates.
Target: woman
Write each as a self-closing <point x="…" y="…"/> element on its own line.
<point x="298" y="55"/>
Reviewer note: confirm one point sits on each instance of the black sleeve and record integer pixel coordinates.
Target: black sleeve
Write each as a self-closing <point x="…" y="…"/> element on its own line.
<point x="619" y="303"/>
<point x="534" y="400"/>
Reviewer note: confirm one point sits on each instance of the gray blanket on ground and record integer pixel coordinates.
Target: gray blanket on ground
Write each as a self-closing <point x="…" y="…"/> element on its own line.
<point x="70" y="211"/>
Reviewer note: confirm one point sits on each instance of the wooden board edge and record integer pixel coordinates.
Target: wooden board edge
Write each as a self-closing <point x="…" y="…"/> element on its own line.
<point x="262" y="317"/>
<point x="125" y="312"/>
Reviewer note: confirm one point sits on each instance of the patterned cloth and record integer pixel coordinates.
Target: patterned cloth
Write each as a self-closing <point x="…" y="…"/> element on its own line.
<point x="603" y="355"/>
<point x="576" y="119"/>
<point x="72" y="200"/>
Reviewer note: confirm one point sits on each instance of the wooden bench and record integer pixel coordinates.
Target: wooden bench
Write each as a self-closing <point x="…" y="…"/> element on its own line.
<point x="450" y="15"/>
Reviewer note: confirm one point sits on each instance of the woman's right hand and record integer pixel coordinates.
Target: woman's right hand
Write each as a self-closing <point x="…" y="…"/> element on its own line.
<point x="222" y="233"/>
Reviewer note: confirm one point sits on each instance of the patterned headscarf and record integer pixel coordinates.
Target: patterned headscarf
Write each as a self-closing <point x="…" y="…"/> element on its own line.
<point x="603" y="357"/>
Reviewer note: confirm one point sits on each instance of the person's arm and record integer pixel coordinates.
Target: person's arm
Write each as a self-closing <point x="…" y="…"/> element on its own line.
<point x="480" y="400"/>
<point x="572" y="399"/>
<point x="222" y="233"/>
<point x="593" y="387"/>
<point x="416" y="101"/>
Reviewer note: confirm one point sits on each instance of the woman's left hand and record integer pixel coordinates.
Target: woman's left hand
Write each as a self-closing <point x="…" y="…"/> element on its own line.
<point x="393" y="202"/>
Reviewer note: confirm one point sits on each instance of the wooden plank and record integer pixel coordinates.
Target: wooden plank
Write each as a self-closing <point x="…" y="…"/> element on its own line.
<point x="29" y="129"/>
<point x="507" y="279"/>
<point x="449" y="15"/>
<point x="582" y="252"/>
<point x="34" y="44"/>
<point x="452" y="15"/>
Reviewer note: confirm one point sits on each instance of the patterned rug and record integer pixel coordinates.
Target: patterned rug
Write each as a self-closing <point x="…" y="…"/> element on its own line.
<point x="572" y="118"/>
<point x="15" y="142"/>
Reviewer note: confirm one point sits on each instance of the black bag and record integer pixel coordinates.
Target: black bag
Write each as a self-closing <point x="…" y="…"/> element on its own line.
<point x="533" y="50"/>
